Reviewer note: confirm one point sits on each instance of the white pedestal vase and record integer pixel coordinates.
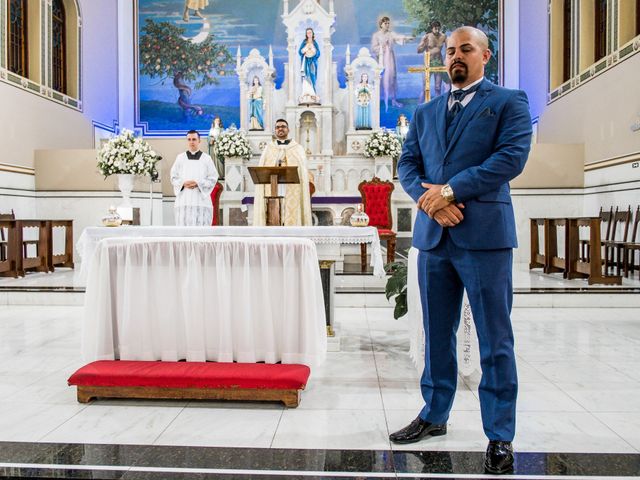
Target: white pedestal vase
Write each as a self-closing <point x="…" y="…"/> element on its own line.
<point x="384" y="168"/>
<point x="125" y="185"/>
<point x="234" y="174"/>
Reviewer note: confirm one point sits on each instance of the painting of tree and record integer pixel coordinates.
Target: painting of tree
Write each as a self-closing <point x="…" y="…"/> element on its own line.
<point x="166" y="54"/>
<point x="482" y="14"/>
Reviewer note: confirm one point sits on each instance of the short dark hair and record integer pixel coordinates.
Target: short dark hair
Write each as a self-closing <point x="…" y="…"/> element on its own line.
<point x="194" y="131"/>
<point x="282" y="120"/>
<point x="436" y="23"/>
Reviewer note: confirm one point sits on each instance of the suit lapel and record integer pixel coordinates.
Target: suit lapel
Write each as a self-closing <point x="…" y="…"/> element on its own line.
<point x="469" y="111"/>
<point x="441" y="121"/>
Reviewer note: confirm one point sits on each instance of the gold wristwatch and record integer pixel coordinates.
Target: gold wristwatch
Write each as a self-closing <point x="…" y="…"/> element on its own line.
<point x="447" y="193"/>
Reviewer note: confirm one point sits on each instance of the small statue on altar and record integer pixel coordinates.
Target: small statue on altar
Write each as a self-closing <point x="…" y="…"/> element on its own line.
<point x="256" y="105"/>
<point x="214" y="132"/>
<point x="363" y="103"/>
<point x="402" y="127"/>
<point x="309" y="53"/>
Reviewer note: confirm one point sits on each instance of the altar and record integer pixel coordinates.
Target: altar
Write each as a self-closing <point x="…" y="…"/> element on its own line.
<point x="205" y="299"/>
<point x="327" y="240"/>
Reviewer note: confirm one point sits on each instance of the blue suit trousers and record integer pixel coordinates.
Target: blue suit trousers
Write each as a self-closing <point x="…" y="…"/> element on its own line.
<point x="444" y="272"/>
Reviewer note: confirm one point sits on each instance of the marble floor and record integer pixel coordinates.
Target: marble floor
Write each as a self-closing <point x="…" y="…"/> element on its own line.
<point x="579" y="371"/>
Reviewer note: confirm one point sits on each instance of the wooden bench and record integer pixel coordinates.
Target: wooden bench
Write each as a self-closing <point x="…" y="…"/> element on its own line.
<point x="191" y="380"/>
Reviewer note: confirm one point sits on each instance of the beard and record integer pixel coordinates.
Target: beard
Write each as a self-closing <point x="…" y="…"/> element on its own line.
<point x="460" y="74"/>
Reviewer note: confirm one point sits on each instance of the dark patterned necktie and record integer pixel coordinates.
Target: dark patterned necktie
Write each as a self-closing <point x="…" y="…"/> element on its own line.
<point x="458" y="96"/>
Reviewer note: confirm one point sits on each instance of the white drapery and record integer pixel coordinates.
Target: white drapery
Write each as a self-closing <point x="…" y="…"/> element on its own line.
<point x="90" y="237"/>
<point x="468" y="352"/>
<point x="217" y="299"/>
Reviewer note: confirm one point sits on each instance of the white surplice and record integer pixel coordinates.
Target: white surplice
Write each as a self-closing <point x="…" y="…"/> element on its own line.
<point x="193" y="206"/>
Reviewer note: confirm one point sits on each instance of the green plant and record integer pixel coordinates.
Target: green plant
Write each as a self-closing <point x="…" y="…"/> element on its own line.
<point x="397" y="286"/>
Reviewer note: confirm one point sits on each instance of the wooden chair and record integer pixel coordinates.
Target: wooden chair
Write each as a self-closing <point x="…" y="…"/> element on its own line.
<point x="619" y="234"/>
<point x="3" y="240"/>
<point x="606" y="219"/>
<point x="376" y="198"/>
<point x="215" y="201"/>
<point x="628" y="249"/>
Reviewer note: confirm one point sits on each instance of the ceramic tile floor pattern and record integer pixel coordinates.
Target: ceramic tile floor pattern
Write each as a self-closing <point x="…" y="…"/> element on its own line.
<point x="578" y="372"/>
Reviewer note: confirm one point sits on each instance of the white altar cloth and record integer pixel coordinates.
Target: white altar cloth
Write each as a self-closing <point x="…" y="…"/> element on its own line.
<point x="88" y="241"/>
<point x="218" y="299"/>
<point x="468" y="352"/>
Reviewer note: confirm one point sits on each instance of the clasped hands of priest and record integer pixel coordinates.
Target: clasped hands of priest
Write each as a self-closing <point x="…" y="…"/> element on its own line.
<point x="433" y="203"/>
<point x="190" y="184"/>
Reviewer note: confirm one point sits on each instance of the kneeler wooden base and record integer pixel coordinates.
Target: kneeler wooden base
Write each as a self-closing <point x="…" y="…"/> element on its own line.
<point x="191" y="380"/>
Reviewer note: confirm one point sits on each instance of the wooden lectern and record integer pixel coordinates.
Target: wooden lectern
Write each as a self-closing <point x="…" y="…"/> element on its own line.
<point x="273" y="176"/>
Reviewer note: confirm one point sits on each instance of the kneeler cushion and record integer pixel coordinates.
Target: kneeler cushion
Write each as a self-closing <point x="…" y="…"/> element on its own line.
<point x="126" y="373"/>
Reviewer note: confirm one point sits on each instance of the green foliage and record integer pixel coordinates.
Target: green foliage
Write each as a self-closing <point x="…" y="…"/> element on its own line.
<point x="482" y="14"/>
<point x="397" y="286"/>
<point x="164" y="53"/>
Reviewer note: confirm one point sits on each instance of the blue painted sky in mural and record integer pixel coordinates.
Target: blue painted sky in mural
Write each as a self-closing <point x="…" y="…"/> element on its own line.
<point x="257" y="24"/>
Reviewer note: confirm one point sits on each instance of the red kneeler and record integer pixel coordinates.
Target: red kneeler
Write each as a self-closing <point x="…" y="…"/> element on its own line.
<point x="215" y="201"/>
<point x="191" y="380"/>
<point x="376" y="197"/>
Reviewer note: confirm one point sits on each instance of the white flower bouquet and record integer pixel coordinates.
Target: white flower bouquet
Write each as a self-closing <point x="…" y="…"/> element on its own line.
<point x="382" y="143"/>
<point x="233" y="144"/>
<point x="127" y="153"/>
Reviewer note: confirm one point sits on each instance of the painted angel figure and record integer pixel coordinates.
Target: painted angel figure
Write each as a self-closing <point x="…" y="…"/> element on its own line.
<point x="195" y="5"/>
<point x="256" y="105"/>
<point x="382" y="44"/>
<point x="309" y="53"/>
<point x="363" y="103"/>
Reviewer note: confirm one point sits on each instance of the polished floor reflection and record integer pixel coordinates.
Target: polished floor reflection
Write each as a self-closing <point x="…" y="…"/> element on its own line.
<point x="578" y="408"/>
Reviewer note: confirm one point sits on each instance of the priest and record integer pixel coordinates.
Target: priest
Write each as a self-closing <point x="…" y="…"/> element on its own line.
<point x="284" y="152"/>
<point x="193" y="177"/>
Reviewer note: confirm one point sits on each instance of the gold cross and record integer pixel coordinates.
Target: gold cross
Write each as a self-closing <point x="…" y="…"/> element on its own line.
<point x="427" y="70"/>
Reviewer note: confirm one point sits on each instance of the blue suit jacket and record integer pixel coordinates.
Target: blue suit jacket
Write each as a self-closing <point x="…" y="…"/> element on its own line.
<point x="489" y="148"/>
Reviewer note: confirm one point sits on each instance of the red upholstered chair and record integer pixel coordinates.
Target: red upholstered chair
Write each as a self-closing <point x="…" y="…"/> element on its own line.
<point x="215" y="201"/>
<point x="376" y="197"/>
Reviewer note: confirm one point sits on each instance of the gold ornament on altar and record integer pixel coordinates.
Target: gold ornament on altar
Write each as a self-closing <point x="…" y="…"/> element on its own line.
<point x="112" y="219"/>
<point x="359" y="217"/>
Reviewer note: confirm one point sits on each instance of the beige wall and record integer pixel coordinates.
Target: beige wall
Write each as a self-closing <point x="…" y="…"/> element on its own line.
<point x="34" y="32"/>
<point x="75" y="170"/>
<point x="553" y="166"/>
<point x="598" y="114"/>
<point x="626" y="21"/>
<point x="556" y="49"/>
<point x="29" y="122"/>
<point x="587" y="34"/>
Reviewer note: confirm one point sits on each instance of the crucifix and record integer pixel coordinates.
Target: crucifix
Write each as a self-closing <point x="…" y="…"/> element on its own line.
<point x="427" y="69"/>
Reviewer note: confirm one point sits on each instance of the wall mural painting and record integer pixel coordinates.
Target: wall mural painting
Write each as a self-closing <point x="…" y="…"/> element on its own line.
<point x="187" y="52"/>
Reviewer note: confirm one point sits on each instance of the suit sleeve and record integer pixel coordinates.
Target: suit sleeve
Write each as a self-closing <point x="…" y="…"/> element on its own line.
<point x="411" y="165"/>
<point x="510" y="154"/>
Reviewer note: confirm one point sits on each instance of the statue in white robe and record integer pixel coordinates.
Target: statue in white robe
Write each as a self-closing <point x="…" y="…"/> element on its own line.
<point x="297" y="197"/>
<point x="193" y="177"/>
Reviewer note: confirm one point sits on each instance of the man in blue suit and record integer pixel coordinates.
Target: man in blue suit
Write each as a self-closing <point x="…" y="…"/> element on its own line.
<point x="461" y="151"/>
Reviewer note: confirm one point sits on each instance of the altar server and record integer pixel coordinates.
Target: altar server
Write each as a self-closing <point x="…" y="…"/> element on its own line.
<point x="193" y="177"/>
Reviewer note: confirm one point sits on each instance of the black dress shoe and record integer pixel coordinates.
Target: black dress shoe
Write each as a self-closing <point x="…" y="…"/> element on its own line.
<point x="499" y="457"/>
<point x="416" y="431"/>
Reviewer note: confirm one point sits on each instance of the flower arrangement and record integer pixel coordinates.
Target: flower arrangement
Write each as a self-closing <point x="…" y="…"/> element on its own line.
<point x="233" y="143"/>
<point x="382" y="143"/>
<point x="126" y="153"/>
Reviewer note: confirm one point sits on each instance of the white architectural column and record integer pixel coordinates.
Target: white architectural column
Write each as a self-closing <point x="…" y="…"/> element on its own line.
<point x="126" y="64"/>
